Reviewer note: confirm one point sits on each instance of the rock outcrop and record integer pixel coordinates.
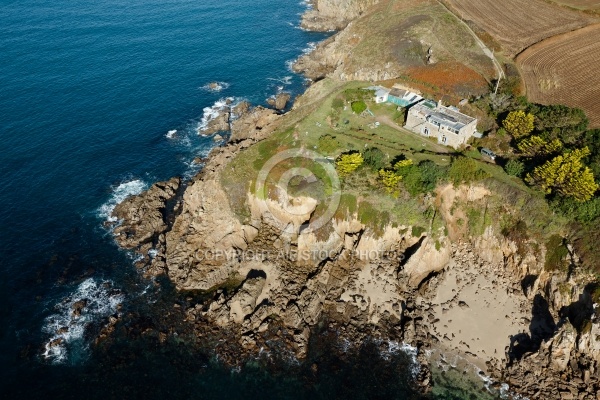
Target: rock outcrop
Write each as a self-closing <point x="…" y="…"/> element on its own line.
<point x="331" y="15"/>
<point x="279" y="101"/>
<point x="142" y="218"/>
<point x="253" y="124"/>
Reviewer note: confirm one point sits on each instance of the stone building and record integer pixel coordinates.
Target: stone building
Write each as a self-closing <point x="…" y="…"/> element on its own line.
<point x="447" y="124"/>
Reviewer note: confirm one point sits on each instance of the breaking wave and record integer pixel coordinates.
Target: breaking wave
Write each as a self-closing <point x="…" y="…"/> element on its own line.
<point x="215" y="87"/>
<point x="89" y="303"/>
<point x="171" y="134"/>
<point x="120" y="193"/>
<point x="212" y="112"/>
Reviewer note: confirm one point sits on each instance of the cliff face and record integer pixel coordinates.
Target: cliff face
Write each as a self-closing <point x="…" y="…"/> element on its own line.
<point x="329" y="15"/>
<point x="485" y="298"/>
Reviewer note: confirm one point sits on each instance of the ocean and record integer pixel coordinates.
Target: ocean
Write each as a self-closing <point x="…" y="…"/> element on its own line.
<point x="98" y="100"/>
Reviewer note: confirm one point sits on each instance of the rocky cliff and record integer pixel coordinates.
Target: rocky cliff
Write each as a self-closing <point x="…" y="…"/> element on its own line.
<point x="487" y="298"/>
<point x="330" y="15"/>
<point x="484" y="298"/>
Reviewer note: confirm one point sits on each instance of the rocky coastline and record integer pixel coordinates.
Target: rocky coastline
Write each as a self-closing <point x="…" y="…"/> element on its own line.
<point x="267" y="290"/>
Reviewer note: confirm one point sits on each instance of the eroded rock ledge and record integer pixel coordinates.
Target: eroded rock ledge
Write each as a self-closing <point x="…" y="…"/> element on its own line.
<point x="333" y="15"/>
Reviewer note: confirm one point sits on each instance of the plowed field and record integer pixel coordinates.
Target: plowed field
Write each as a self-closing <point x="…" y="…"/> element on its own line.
<point x="581" y="4"/>
<point x="565" y="70"/>
<point x="517" y="24"/>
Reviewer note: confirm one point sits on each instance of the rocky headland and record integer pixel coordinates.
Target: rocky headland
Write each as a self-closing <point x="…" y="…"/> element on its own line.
<point x="487" y="298"/>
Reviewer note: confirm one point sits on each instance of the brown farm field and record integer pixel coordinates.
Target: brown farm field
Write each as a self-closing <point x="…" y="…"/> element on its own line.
<point x="517" y="24"/>
<point x="565" y="70"/>
<point x="592" y="5"/>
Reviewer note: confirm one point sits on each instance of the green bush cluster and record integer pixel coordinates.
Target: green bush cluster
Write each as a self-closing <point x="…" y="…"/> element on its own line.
<point x="465" y="170"/>
<point x="359" y="106"/>
<point x="328" y="144"/>
<point x="514" y="168"/>
<point x="374" y="158"/>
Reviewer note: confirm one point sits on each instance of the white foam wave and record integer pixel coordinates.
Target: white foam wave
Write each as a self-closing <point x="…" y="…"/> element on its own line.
<point x="311" y="47"/>
<point x="394" y="348"/>
<point x="212" y="112"/>
<point x="286" y="80"/>
<point x="215" y="86"/>
<point x="120" y="193"/>
<point x="171" y="134"/>
<point x="66" y="328"/>
<point x="289" y="64"/>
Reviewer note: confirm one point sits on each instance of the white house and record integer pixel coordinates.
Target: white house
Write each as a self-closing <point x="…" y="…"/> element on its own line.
<point x="447" y="124"/>
<point x="381" y="95"/>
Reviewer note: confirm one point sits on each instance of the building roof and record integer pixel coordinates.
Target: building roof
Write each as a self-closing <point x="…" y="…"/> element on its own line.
<point x="381" y="92"/>
<point x="399" y="93"/>
<point x="442" y="115"/>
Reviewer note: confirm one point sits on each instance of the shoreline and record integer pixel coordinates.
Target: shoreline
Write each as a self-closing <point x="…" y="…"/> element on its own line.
<point x="434" y="321"/>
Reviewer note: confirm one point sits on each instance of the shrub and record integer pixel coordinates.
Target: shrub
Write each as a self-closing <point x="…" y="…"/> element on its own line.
<point x="390" y="180"/>
<point x="417" y="231"/>
<point x="556" y="251"/>
<point x="431" y="175"/>
<point x="374" y="158"/>
<point x="348" y="163"/>
<point x="582" y="212"/>
<point x="514" y="168"/>
<point x="337" y="103"/>
<point x="328" y="144"/>
<point x="368" y="215"/>
<point x="403" y="167"/>
<point x="465" y="170"/>
<point x="359" y="106"/>
<point x="413" y="181"/>
<point x="358" y="94"/>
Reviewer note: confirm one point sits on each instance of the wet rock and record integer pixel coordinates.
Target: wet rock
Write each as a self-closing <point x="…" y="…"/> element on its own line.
<point x="280" y="101"/>
<point x="142" y="217"/>
<point x="219" y="123"/>
<point x="78" y="307"/>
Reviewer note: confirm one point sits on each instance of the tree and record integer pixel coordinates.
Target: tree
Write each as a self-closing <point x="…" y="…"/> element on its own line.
<point x="536" y="145"/>
<point x="514" y="168"/>
<point x="374" y="158"/>
<point x="328" y="144"/>
<point x="566" y="175"/>
<point x="348" y="163"/>
<point x="390" y="180"/>
<point x="518" y="123"/>
<point x="591" y="139"/>
<point x="561" y="122"/>
<point x="358" y="106"/>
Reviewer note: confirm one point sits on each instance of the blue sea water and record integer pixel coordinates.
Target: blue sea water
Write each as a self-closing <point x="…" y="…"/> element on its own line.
<point x="91" y="93"/>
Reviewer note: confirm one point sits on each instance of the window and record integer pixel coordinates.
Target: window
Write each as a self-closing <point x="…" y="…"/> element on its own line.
<point x="426" y="131"/>
<point x="444" y="139"/>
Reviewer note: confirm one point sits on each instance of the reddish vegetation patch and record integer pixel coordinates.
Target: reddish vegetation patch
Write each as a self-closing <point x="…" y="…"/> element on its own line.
<point x="565" y="69"/>
<point x="448" y="78"/>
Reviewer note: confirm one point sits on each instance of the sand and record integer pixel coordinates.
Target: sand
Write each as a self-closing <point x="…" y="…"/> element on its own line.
<point x="476" y="311"/>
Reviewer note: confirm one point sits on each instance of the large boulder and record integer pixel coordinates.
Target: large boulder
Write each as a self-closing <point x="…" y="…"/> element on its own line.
<point x="280" y="101"/>
<point x="142" y="218"/>
<point x="252" y="124"/>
